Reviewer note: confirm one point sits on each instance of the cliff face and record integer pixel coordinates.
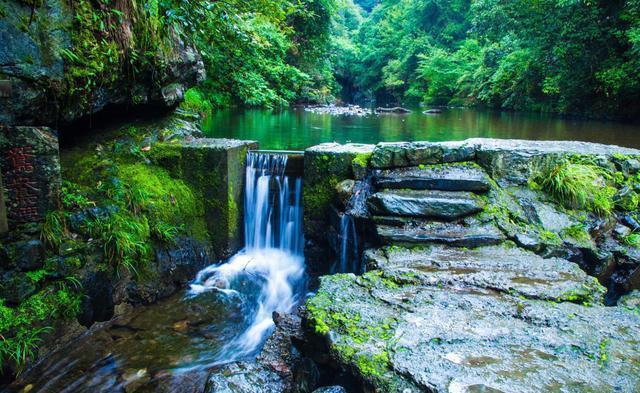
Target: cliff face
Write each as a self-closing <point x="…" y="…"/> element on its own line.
<point x="61" y="60"/>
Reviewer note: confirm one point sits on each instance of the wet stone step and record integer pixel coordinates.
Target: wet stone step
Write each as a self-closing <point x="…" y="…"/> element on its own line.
<point x="445" y="205"/>
<point x="435" y="177"/>
<point x="456" y="235"/>
<point x="503" y="268"/>
<point x="476" y="334"/>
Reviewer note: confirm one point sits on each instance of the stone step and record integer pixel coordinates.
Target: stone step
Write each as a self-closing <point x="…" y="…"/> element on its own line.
<point x="456" y="235"/>
<point x="445" y="205"/>
<point x="435" y="177"/>
<point x="505" y="268"/>
<point x="472" y="320"/>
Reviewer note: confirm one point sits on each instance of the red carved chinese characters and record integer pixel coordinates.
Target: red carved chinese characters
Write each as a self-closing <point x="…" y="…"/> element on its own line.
<point x="22" y="187"/>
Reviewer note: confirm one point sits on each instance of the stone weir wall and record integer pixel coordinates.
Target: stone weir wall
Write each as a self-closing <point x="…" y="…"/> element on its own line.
<point x="477" y="254"/>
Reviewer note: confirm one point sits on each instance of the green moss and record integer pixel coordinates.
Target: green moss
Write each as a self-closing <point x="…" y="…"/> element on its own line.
<point x="168" y="156"/>
<point x="354" y="335"/>
<point x="319" y="196"/>
<point x="549" y="237"/>
<point x="585" y="295"/>
<point x="578" y="233"/>
<point x="234" y="212"/>
<point x="169" y="201"/>
<point x="362" y="159"/>
<point x="628" y="202"/>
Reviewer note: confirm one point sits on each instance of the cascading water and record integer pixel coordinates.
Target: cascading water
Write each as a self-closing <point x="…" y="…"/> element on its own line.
<point x="349" y="258"/>
<point x="268" y="274"/>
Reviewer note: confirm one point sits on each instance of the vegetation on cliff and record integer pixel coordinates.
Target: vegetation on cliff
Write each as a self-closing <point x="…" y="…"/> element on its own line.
<point x="259" y="53"/>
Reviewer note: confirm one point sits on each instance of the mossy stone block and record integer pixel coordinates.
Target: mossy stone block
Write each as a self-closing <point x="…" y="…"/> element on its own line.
<point x="215" y="171"/>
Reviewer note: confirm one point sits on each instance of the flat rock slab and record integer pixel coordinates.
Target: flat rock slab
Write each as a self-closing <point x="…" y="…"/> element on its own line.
<point x="435" y="177"/>
<point x="442" y="233"/>
<point x="504" y="268"/>
<point x="427" y="322"/>
<point x="446" y="205"/>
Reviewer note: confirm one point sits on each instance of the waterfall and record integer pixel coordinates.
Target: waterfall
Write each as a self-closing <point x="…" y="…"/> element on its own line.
<point x="349" y="256"/>
<point x="268" y="274"/>
<point x="349" y="260"/>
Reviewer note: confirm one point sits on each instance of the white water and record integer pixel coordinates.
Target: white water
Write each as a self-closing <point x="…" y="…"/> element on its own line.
<point x="268" y="274"/>
<point x="349" y="258"/>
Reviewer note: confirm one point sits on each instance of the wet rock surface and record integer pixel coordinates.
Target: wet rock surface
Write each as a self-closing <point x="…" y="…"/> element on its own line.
<point x="444" y="320"/>
<point x="434" y="204"/>
<point x="436" y="177"/>
<point x="444" y="233"/>
<point x="505" y="268"/>
<point x="480" y="280"/>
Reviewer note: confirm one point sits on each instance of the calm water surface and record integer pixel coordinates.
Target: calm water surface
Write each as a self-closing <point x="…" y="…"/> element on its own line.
<point x="298" y="129"/>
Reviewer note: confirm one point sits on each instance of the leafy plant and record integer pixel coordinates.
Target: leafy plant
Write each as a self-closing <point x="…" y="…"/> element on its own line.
<point x="632" y="240"/>
<point x="124" y="238"/>
<point x="22" y="328"/>
<point x="54" y="229"/>
<point x="166" y="233"/>
<point x="72" y="198"/>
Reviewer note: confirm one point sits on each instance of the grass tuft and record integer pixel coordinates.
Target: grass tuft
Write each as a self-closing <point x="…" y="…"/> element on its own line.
<point x="576" y="186"/>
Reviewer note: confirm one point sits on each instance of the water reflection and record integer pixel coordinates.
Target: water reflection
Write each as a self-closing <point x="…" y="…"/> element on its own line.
<point x="297" y="129"/>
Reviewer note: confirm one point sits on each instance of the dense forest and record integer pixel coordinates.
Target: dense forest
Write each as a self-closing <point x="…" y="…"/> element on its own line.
<point x="565" y="56"/>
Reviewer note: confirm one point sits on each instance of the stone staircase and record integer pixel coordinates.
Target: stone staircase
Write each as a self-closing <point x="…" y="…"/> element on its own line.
<point x="432" y="204"/>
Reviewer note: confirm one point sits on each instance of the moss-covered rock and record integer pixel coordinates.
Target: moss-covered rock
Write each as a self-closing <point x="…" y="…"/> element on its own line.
<point x="64" y="61"/>
<point x="427" y="321"/>
<point x="325" y="166"/>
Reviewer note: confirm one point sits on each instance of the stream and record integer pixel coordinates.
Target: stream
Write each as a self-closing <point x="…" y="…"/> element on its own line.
<point x="224" y="316"/>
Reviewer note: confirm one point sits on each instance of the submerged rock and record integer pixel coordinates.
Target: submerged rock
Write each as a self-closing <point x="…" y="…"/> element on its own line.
<point x="491" y="319"/>
<point x="434" y="204"/>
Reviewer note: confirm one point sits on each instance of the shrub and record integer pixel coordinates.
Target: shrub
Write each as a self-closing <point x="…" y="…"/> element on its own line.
<point x="195" y="101"/>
